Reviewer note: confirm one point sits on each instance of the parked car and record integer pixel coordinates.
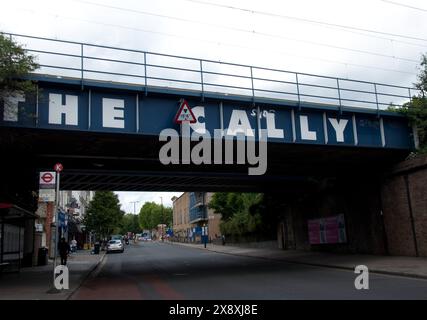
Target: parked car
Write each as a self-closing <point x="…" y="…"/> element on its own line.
<point x="115" y="245"/>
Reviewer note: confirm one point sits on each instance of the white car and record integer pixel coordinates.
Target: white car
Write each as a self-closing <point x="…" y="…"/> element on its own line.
<point x="115" y="245"/>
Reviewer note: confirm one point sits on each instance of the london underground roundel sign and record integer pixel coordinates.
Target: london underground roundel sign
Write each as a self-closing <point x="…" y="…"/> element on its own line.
<point x="47" y="177"/>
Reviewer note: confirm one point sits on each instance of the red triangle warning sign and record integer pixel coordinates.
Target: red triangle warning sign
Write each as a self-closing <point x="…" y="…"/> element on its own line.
<point x="184" y="113"/>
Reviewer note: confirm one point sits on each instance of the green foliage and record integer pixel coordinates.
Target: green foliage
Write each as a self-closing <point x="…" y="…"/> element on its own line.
<point x="15" y="63"/>
<point x="130" y="223"/>
<point x="104" y="215"/>
<point x="240" y="212"/>
<point x="241" y="223"/>
<point x="422" y="77"/>
<point x="416" y="109"/>
<point x="229" y="203"/>
<point x="153" y="214"/>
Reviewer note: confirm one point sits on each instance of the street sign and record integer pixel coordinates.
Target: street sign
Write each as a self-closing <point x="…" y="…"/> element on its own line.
<point x="47" y="180"/>
<point x="46" y="195"/>
<point x="184" y="114"/>
<point x="47" y="183"/>
<point x="58" y="167"/>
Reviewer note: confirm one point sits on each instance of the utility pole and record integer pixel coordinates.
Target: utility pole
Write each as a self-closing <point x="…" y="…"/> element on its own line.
<point x="134" y="202"/>
<point x="134" y="209"/>
<point x="163" y="218"/>
<point x="58" y="168"/>
<point x="55" y="247"/>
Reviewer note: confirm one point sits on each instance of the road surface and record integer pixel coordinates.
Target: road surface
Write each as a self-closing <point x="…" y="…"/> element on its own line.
<point x="155" y="270"/>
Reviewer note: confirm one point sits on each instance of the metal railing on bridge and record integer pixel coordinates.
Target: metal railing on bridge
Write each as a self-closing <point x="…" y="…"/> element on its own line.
<point x="93" y="62"/>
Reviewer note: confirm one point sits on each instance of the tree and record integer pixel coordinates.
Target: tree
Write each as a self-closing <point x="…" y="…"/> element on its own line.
<point x="167" y="216"/>
<point x="130" y="223"/>
<point x="416" y="109"/>
<point x="104" y="215"/>
<point x="240" y="212"/>
<point x="230" y="203"/>
<point x="153" y="214"/>
<point x="422" y="77"/>
<point x="15" y="64"/>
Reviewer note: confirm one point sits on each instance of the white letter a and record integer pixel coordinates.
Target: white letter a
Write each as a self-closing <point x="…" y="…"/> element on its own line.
<point x="362" y="280"/>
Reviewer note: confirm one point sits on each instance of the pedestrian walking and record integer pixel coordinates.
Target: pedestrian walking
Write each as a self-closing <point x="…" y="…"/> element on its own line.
<point x="64" y="250"/>
<point x="74" y="245"/>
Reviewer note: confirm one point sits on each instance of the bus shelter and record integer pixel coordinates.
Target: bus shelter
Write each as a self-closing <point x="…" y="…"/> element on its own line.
<point x="16" y="237"/>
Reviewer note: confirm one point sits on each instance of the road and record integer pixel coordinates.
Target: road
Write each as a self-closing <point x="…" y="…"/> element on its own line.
<point x="157" y="271"/>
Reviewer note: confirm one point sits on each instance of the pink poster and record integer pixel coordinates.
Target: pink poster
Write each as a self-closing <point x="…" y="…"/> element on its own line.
<point x="327" y="230"/>
<point x="331" y="230"/>
<point x="314" y="231"/>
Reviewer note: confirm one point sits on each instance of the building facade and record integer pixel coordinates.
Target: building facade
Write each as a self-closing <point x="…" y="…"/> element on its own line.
<point x="192" y="217"/>
<point x="181" y="217"/>
<point x="72" y="209"/>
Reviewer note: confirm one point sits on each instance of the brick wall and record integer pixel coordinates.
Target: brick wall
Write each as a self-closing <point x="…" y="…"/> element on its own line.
<point x="357" y="197"/>
<point x="385" y="213"/>
<point x="418" y="191"/>
<point x="47" y="226"/>
<point x="404" y="197"/>
<point x="181" y="214"/>
<point x="214" y="220"/>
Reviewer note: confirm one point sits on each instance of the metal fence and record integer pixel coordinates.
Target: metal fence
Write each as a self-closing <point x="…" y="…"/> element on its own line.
<point x="93" y="62"/>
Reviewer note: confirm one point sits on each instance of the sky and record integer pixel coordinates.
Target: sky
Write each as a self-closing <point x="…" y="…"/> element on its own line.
<point x="326" y="37"/>
<point x="371" y="40"/>
<point x="131" y="201"/>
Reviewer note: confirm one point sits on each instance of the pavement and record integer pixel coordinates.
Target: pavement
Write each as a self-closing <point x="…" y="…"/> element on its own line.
<point x="415" y="267"/>
<point x="36" y="283"/>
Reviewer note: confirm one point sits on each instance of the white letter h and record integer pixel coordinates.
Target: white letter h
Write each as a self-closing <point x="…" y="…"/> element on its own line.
<point x="56" y="109"/>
